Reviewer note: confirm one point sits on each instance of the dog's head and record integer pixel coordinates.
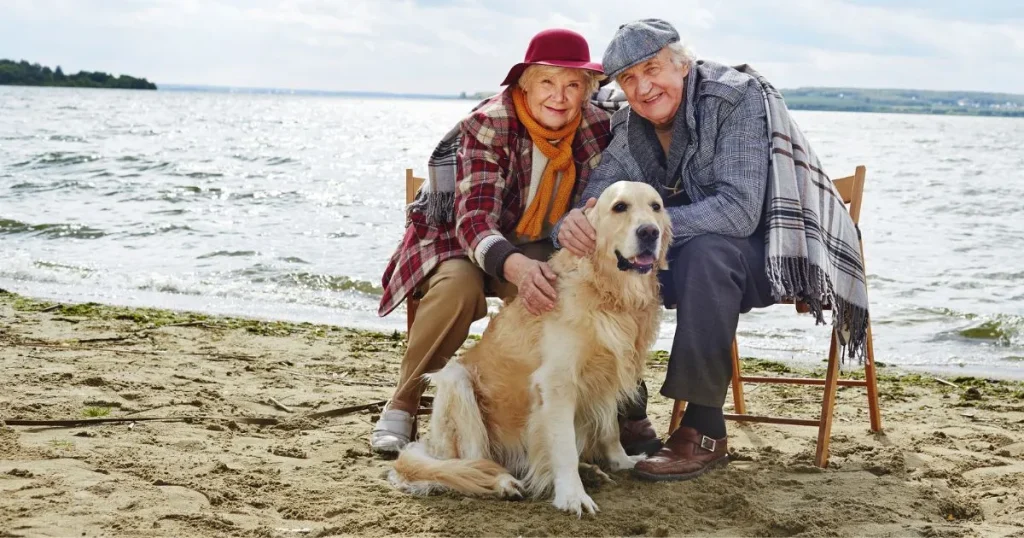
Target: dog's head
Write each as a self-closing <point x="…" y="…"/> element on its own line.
<point x="633" y="228"/>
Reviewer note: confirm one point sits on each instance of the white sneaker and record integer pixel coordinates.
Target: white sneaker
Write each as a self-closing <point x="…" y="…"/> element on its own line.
<point x="392" y="432"/>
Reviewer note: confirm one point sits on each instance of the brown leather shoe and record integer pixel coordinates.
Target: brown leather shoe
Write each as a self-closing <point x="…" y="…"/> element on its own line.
<point x="687" y="454"/>
<point x="638" y="437"/>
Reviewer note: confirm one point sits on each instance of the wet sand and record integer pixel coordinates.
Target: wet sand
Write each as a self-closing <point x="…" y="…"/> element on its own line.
<point x="950" y="462"/>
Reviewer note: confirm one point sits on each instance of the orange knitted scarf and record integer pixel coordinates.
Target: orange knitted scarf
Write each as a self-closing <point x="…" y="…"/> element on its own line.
<point x="559" y="160"/>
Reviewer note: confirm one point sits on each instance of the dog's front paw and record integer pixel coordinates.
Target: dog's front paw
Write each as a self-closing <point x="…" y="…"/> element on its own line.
<point x="575" y="501"/>
<point x="510" y="488"/>
<point x="626" y="463"/>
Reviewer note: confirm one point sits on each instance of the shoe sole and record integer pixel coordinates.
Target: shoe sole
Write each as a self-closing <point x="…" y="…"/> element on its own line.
<point x="651" y="477"/>
<point x="386" y="452"/>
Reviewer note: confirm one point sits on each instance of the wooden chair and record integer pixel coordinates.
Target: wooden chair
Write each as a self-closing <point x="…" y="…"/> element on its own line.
<point x="412" y="186"/>
<point x="851" y="189"/>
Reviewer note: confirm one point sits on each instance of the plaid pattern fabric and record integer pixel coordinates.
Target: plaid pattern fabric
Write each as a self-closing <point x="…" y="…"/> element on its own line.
<point x="493" y="166"/>
<point x="813" y="246"/>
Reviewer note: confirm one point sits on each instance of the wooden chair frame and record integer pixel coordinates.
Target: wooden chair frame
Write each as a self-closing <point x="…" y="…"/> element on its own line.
<point x="412" y="186"/>
<point x="851" y="189"/>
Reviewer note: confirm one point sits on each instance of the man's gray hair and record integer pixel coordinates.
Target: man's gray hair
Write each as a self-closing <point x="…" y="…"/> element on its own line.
<point x="681" y="54"/>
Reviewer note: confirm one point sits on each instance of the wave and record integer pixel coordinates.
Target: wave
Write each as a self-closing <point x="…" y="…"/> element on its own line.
<point x="50" y="231"/>
<point x="227" y="253"/>
<point x="1001" y="330"/>
<point x="320" y="282"/>
<point x="161" y="229"/>
<point x="67" y="138"/>
<point x="277" y="161"/>
<point x="1013" y="277"/>
<point x="199" y="175"/>
<point x="63" y="267"/>
<point x="37" y="186"/>
<point x="263" y="274"/>
<point x="57" y="159"/>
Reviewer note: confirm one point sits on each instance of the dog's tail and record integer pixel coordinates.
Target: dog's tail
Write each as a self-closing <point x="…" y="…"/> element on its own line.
<point x="419" y="473"/>
<point x="457" y="457"/>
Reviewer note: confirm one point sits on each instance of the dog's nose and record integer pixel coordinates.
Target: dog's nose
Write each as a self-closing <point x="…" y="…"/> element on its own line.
<point x="647" y="233"/>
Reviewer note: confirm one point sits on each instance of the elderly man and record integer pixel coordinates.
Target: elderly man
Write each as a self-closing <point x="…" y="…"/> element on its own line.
<point x="697" y="131"/>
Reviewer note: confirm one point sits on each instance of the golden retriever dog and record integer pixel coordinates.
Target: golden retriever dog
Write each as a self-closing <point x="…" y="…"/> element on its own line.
<point x="520" y="411"/>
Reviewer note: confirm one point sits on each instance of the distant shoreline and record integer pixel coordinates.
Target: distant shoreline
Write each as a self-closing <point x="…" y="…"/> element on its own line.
<point x="915" y="102"/>
<point x="23" y="73"/>
<point x="813" y="99"/>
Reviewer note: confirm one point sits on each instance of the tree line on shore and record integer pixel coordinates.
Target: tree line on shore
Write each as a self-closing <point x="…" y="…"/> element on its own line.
<point x="25" y="74"/>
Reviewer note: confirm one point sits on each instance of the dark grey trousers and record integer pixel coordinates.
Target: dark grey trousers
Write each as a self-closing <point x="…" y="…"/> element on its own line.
<point x="711" y="279"/>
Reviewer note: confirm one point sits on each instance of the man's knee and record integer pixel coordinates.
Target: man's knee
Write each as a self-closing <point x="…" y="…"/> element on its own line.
<point x="707" y="250"/>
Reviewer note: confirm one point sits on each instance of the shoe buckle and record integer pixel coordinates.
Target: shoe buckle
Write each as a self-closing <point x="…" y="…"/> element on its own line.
<point x="708" y="443"/>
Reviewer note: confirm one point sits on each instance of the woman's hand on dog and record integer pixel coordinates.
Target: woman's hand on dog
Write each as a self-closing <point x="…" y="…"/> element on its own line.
<point x="576" y="232"/>
<point x="534" y="282"/>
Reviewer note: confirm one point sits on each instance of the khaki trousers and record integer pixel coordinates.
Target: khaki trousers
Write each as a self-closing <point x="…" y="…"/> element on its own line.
<point x="452" y="297"/>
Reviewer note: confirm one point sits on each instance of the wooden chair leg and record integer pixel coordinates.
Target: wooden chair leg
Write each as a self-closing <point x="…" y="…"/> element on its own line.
<point x="678" y="408"/>
<point x="737" y="385"/>
<point x="410" y="309"/>
<point x="874" y="410"/>
<point x="828" y="402"/>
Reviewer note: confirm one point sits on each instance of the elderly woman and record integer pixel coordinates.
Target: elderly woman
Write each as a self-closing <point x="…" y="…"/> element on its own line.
<point x="498" y="183"/>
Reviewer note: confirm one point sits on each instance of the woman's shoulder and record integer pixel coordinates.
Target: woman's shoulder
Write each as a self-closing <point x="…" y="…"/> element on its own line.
<point x="496" y="107"/>
<point x="494" y="117"/>
<point x="596" y="118"/>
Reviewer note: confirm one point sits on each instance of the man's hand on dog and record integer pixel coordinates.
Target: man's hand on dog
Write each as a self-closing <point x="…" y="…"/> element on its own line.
<point x="576" y="233"/>
<point x="534" y="282"/>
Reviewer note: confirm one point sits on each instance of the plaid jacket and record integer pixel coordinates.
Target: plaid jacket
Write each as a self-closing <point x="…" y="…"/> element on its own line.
<point x="494" y="171"/>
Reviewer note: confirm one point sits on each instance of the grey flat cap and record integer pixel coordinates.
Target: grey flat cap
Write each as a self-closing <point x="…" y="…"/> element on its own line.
<point x="636" y="42"/>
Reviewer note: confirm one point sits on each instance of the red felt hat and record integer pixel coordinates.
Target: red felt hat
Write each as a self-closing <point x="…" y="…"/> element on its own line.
<point x="556" y="47"/>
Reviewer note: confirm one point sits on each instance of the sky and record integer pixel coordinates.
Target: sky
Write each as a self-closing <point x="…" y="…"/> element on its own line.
<point x="450" y="46"/>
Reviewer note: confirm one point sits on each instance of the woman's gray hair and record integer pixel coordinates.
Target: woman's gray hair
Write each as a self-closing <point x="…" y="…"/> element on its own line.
<point x="681" y="54"/>
<point x="591" y="79"/>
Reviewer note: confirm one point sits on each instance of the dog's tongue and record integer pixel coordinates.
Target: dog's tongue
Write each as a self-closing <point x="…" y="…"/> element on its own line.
<point x="644" y="259"/>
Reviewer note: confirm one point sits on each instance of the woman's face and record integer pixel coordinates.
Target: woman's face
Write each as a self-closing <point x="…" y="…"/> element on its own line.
<point x="555" y="97"/>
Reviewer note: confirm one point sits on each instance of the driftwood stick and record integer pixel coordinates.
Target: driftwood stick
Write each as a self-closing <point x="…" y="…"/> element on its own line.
<point x="74" y="423"/>
<point x="261" y="421"/>
<point x="947" y="383"/>
<point x="107" y="339"/>
<point x="70" y="347"/>
<point x="204" y="324"/>
<point x="280" y="405"/>
<point x="342" y="411"/>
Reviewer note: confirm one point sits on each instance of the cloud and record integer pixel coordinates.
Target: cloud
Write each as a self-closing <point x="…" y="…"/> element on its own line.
<point x="447" y="46"/>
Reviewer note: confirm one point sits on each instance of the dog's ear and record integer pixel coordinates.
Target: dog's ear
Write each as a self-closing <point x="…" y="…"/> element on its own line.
<point x="591" y="213"/>
<point x="666" y="236"/>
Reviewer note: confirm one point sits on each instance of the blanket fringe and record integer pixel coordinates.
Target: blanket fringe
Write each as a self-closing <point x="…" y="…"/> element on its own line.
<point x="438" y="207"/>
<point x="794" y="278"/>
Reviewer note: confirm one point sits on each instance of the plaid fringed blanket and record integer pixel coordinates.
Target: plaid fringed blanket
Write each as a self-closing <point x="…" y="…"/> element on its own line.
<point x="813" y="246"/>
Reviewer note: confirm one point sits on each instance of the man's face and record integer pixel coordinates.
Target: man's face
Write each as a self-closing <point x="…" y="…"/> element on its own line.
<point x="655" y="88"/>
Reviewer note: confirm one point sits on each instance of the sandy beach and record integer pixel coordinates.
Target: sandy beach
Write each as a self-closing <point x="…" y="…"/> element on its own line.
<point x="255" y="459"/>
